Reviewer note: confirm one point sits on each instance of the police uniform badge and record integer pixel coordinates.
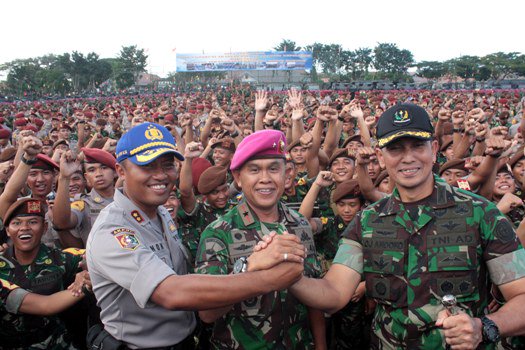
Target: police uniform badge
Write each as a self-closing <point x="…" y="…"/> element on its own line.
<point x="127" y="240"/>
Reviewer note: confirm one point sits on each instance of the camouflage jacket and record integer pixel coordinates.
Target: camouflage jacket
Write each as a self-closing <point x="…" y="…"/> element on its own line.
<point x="457" y="244"/>
<point x="326" y="241"/>
<point x="272" y="321"/>
<point x="192" y="224"/>
<point x="52" y="271"/>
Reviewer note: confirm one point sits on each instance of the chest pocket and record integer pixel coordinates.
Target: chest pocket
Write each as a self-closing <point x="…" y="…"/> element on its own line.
<point x="453" y="259"/>
<point x="383" y="264"/>
<point x="242" y="244"/>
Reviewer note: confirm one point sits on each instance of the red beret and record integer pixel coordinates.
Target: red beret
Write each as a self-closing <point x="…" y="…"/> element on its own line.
<point x="20" y="122"/>
<point x="260" y="144"/>
<point x="201" y="107"/>
<point x="20" y="115"/>
<point x="38" y="122"/>
<point x="95" y="155"/>
<point x="4" y="134"/>
<point x="45" y="162"/>
<point x="89" y="115"/>
<point x="169" y="118"/>
<point x="31" y="127"/>
<point x="198" y="166"/>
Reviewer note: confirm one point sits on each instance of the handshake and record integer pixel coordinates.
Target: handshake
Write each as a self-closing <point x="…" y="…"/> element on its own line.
<point x="281" y="255"/>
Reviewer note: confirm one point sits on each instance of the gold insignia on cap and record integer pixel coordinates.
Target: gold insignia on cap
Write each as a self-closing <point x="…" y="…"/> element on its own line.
<point x="33" y="207"/>
<point x="136" y="215"/>
<point x="274" y="145"/>
<point x="281" y="146"/>
<point x="153" y="133"/>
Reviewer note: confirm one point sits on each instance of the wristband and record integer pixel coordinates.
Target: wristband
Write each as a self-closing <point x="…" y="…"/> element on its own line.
<point x="480" y="139"/>
<point x="458" y="130"/>
<point x="234" y="134"/>
<point x="28" y="161"/>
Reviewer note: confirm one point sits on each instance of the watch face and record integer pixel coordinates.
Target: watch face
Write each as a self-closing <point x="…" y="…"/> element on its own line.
<point x="237" y="267"/>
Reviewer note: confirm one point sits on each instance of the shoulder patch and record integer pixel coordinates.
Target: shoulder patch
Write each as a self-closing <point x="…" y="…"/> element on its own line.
<point x="74" y="251"/>
<point x="8" y="285"/>
<point x="136" y="215"/>
<point x="78" y="205"/>
<point x="127" y="240"/>
<point x="122" y="230"/>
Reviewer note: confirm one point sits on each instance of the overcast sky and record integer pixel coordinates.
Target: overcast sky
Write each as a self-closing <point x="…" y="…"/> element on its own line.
<point x="432" y="30"/>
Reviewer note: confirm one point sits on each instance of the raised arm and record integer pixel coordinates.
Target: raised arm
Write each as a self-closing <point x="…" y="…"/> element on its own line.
<point x="30" y="146"/>
<point x="63" y="218"/>
<point x="187" y="196"/>
<point x="364" y="156"/>
<point x="261" y="106"/>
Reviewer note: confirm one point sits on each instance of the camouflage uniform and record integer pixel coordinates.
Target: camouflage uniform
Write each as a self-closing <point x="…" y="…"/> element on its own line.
<point x="451" y="244"/>
<point x="348" y="324"/>
<point x="301" y="187"/>
<point x="51" y="271"/>
<point x="192" y="224"/>
<point x="86" y="208"/>
<point x="272" y="321"/>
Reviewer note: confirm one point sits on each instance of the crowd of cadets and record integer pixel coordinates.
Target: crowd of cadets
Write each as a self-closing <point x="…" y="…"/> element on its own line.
<point x="331" y="171"/>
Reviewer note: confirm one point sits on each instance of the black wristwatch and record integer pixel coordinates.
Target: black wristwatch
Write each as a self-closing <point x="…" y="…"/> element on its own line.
<point x="489" y="331"/>
<point x="241" y="265"/>
<point x="28" y="161"/>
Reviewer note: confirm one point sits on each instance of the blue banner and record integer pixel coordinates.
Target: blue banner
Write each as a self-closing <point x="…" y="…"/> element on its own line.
<point x="271" y="60"/>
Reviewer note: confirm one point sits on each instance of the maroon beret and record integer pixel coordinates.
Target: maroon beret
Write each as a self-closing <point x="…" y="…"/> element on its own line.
<point x="20" y="122"/>
<point x="60" y="142"/>
<point x="95" y="155"/>
<point x="5" y="134"/>
<point x="20" y="115"/>
<point x="198" y="166"/>
<point x="212" y="178"/>
<point x="226" y="143"/>
<point x="44" y="162"/>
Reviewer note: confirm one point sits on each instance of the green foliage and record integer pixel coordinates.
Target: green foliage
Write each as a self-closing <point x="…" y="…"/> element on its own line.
<point x="132" y="62"/>
<point x="287" y="45"/>
<point x="392" y="62"/>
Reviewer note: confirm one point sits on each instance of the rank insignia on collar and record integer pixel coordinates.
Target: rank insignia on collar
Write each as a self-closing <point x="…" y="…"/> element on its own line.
<point x="136" y="215"/>
<point x="172" y="226"/>
<point x="341" y="226"/>
<point x="127" y="240"/>
<point x="97" y="199"/>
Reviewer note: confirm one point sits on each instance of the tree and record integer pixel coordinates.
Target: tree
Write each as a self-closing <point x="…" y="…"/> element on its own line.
<point x="132" y="62"/>
<point x="287" y="45"/>
<point x="391" y="61"/>
<point x="431" y="69"/>
<point x="500" y="64"/>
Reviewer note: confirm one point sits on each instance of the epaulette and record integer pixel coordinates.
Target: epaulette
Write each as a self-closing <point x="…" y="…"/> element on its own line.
<point x="78" y="205"/>
<point x="74" y="251"/>
<point x="246" y="214"/>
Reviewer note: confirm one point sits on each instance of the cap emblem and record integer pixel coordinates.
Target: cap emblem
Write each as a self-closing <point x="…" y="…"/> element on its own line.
<point x="280" y="149"/>
<point x="401" y="117"/>
<point x="152" y="133"/>
<point x="33" y="207"/>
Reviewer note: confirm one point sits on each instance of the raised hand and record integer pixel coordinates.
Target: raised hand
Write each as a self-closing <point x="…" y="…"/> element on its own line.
<point x="261" y="101"/>
<point x="294" y="98"/>
<point x="193" y="150"/>
<point x="68" y="164"/>
<point x="324" y="179"/>
<point x="365" y="155"/>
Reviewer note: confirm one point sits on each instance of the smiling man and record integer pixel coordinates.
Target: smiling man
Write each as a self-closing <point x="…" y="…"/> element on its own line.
<point x="138" y="264"/>
<point x="424" y="241"/>
<point x="276" y="319"/>
<point x="33" y="266"/>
